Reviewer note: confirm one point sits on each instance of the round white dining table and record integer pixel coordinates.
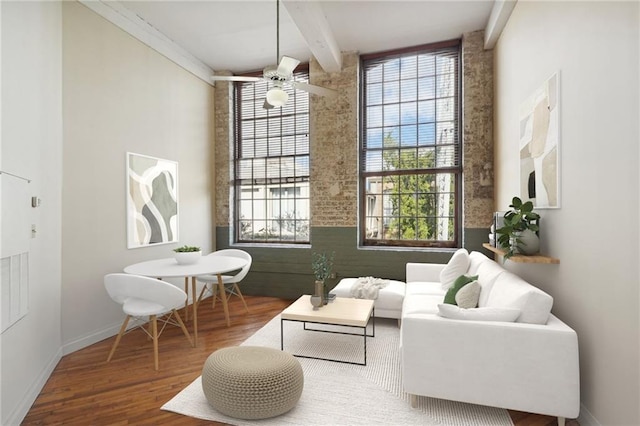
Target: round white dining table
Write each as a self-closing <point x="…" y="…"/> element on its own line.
<point x="207" y="265"/>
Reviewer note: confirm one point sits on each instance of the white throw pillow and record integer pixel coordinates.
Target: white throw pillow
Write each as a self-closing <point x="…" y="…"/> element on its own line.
<point x="478" y="314"/>
<point x="467" y="297"/>
<point x="458" y="265"/>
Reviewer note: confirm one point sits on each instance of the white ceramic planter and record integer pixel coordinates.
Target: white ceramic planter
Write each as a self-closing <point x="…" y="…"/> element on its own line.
<point x="188" y="258"/>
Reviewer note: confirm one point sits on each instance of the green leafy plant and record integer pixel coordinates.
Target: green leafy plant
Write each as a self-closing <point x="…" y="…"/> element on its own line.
<point x="186" y="249"/>
<point x="520" y="218"/>
<point x="322" y="264"/>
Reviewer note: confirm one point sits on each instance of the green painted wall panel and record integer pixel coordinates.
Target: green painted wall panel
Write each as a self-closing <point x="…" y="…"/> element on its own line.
<point x="286" y="271"/>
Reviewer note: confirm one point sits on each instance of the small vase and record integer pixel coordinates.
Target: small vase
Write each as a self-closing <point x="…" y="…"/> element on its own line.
<point x="529" y="242"/>
<point x="319" y="291"/>
<point x="316" y="301"/>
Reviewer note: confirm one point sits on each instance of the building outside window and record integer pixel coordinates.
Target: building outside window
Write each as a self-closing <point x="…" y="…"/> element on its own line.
<point x="271" y="165"/>
<point x="410" y="152"/>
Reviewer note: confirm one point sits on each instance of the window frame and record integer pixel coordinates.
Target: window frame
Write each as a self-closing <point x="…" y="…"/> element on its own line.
<point x="237" y="182"/>
<point x="457" y="171"/>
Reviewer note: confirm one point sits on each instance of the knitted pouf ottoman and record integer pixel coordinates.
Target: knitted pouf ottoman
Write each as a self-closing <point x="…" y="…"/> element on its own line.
<point x="252" y="382"/>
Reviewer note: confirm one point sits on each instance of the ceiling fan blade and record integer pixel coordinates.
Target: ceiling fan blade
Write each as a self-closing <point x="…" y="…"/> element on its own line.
<point x="267" y="105"/>
<point x="287" y="65"/>
<point x="234" y="78"/>
<point x="316" y="90"/>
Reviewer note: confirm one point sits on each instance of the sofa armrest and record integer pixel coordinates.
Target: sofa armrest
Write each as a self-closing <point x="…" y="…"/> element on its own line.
<point x="429" y="272"/>
<point x="526" y="367"/>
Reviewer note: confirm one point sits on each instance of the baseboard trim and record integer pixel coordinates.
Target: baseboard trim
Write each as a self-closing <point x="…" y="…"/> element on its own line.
<point x="106" y="332"/>
<point x="91" y="338"/>
<point x="586" y="418"/>
<point x="21" y="411"/>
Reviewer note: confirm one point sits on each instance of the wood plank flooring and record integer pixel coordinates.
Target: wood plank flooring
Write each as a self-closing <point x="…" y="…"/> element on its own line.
<point x="86" y="390"/>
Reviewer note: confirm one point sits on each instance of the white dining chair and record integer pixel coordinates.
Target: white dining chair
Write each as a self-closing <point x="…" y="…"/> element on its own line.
<point x="142" y="298"/>
<point x="230" y="281"/>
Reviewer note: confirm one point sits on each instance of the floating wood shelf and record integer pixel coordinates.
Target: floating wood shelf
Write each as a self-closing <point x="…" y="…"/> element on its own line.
<point x="537" y="258"/>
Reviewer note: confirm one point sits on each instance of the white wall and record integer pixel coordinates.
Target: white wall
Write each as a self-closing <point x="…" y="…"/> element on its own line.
<point x="119" y="95"/>
<point x="595" y="47"/>
<point x="32" y="146"/>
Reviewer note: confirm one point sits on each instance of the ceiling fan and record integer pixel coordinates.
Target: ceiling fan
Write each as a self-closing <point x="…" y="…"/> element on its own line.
<point x="279" y="75"/>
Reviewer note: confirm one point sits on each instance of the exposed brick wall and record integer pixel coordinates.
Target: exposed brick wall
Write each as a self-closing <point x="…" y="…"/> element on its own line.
<point x="223" y="101"/>
<point x="478" y="131"/>
<point x="334" y="145"/>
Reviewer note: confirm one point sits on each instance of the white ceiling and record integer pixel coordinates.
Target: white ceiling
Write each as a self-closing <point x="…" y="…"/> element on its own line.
<point x="240" y="35"/>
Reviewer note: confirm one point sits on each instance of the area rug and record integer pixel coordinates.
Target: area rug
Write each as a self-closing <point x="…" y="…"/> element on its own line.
<point x="344" y="394"/>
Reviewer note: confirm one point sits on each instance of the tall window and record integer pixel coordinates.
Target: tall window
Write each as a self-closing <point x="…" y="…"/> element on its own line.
<point x="410" y="156"/>
<point x="271" y="165"/>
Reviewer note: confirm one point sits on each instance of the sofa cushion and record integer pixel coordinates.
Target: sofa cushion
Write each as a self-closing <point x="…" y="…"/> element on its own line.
<point x="421" y="304"/>
<point x="468" y="295"/>
<point x="478" y="314"/>
<point x="458" y="265"/>
<point x="420" y="287"/>
<point x="487" y="271"/>
<point x="461" y="281"/>
<point x="511" y="291"/>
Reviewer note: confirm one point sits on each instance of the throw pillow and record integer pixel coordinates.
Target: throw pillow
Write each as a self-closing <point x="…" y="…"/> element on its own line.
<point x="478" y="314"/>
<point x="457" y="265"/>
<point x="468" y="295"/>
<point x="461" y="281"/>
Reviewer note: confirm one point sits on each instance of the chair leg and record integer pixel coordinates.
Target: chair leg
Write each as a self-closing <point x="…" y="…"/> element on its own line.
<point x="202" y="292"/>
<point x="184" y="329"/>
<point x="186" y="301"/>
<point x="115" y="344"/>
<point x="239" y="293"/>
<point x="154" y="326"/>
<point x="214" y="297"/>
<point x="561" y="421"/>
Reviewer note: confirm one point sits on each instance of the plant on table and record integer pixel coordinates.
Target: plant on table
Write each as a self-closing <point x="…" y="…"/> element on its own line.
<point x="322" y="264"/>
<point x="519" y="219"/>
<point x="186" y="249"/>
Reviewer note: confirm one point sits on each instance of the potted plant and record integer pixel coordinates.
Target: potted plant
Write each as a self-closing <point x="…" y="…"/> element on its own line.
<point x="321" y="264"/>
<point x="187" y="255"/>
<point x="519" y="233"/>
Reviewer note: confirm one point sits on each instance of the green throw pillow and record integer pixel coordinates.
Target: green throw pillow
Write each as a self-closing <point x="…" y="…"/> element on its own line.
<point x="460" y="282"/>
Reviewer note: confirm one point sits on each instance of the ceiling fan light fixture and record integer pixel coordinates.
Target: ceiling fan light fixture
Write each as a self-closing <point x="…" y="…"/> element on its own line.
<point x="277" y="97"/>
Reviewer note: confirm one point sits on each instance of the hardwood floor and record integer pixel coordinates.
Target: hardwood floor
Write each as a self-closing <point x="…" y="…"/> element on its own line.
<point x="85" y="390"/>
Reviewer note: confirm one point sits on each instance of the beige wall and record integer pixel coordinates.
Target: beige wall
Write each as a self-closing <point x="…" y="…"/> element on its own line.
<point x="595" y="48"/>
<point x="120" y="96"/>
<point x="31" y="145"/>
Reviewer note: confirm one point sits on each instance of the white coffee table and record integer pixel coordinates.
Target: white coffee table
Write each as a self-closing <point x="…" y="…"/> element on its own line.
<point x="341" y="311"/>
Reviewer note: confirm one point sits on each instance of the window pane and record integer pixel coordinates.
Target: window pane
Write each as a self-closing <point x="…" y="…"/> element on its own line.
<point x="409" y="113"/>
<point x="391" y="115"/>
<point x="408" y="90"/>
<point x="374" y="94"/>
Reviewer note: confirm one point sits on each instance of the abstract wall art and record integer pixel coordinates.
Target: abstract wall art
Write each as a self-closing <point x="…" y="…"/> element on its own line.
<point x="539" y="145"/>
<point x="152" y="201"/>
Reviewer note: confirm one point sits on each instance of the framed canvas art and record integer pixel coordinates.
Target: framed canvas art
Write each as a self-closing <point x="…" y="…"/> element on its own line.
<point x="540" y="146"/>
<point x="152" y="201"/>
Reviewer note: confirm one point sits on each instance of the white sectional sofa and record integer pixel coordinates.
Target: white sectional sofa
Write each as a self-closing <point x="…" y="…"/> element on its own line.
<point x="509" y="352"/>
